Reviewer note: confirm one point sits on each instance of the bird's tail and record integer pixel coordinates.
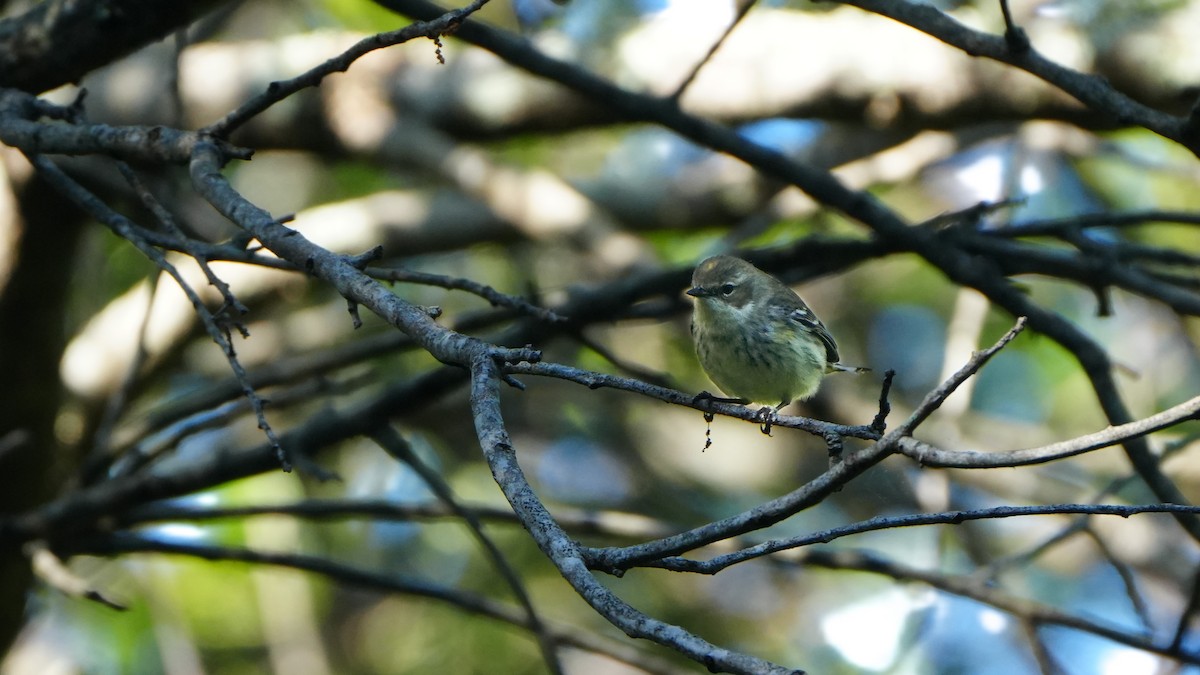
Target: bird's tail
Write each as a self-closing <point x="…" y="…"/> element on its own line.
<point x="842" y="368"/>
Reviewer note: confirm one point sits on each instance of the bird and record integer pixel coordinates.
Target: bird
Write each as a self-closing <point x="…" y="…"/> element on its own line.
<point x="756" y="339"/>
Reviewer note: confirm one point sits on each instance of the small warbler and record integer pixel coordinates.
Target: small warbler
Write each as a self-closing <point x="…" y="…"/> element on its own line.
<point x="755" y="337"/>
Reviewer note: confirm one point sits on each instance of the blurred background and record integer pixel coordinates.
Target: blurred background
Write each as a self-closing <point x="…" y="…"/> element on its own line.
<point x="478" y="170"/>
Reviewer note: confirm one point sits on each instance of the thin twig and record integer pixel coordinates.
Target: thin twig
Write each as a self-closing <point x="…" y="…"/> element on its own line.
<point x="619" y="524"/>
<point x="1183" y="625"/>
<point x="1016" y="38"/>
<point x="928" y="455"/>
<point x="399" y="448"/>
<point x="594" y="380"/>
<point x="278" y="91"/>
<point x="1047" y="664"/>
<point x="1137" y="600"/>
<point x="484" y="291"/>
<point x="933" y="400"/>
<point x="123" y="227"/>
<point x="1019" y="560"/>
<point x="150" y="446"/>
<point x="126" y="543"/>
<point x="718" y="563"/>
<point x="624" y="365"/>
<point x="1056" y="226"/>
<point x="864" y="561"/>
<point x="743" y="8"/>
<point x="51" y="569"/>
<point x="115" y="406"/>
<point x="164" y="218"/>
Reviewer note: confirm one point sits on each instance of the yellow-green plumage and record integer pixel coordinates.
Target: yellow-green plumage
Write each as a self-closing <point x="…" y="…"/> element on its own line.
<point x="755" y="337"/>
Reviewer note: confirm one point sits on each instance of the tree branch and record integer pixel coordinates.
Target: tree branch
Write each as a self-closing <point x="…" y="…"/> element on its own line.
<point x="1091" y="90"/>
<point x="954" y="263"/>
<point x="58" y="41"/>
<point x="717" y="563"/>
<point x="928" y="455"/>
<point x="126" y="543"/>
<point x="565" y="554"/>
<point x="278" y="91"/>
<point x="19" y="128"/>
<point x="1032" y="611"/>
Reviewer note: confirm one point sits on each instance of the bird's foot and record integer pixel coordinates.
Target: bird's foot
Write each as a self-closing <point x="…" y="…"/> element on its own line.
<point x="766" y="416"/>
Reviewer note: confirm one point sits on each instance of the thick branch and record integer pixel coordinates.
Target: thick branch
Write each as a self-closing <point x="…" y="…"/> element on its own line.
<point x="444" y="344"/>
<point x="19" y="128"/>
<point x="58" y="41"/>
<point x="565" y="553"/>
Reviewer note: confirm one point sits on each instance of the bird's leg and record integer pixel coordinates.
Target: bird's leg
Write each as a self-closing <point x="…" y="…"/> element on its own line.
<point x="766" y="416"/>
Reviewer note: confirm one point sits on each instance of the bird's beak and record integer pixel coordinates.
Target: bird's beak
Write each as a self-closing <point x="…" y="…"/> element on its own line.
<point x="699" y="292"/>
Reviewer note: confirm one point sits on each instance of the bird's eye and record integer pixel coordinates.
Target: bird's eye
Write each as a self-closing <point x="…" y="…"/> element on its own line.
<point x="727" y="289"/>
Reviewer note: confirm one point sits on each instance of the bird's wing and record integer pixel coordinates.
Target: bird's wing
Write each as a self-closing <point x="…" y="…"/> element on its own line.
<point x="805" y="317"/>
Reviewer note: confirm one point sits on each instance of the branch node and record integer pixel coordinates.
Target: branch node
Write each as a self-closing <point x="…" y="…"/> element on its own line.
<point x="1017" y="40"/>
<point x="241" y="329"/>
<point x="526" y="354"/>
<point x="833" y="443"/>
<point x="1014" y="36"/>
<point x="74" y="112"/>
<point x="360" y="261"/>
